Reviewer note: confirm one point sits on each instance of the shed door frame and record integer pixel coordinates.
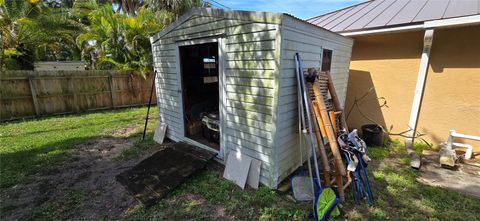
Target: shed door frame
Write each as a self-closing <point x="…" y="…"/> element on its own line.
<point x="221" y="90"/>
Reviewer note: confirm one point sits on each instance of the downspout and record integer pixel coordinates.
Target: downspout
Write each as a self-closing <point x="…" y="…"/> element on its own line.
<point x="417" y="98"/>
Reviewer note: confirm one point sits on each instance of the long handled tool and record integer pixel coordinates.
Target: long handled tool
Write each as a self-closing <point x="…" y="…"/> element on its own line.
<point x="302" y="185"/>
<point x="326" y="200"/>
<point x="149" y="104"/>
<point x="309" y="124"/>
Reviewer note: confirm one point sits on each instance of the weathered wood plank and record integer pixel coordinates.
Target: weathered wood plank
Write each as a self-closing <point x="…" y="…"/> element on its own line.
<point x="197" y="20"/>
<point x="250" y="107"/>
<point x="251" y="46"/>
<point x="261" y="74"/>
<point x="249" y="122"/>
<point x="221" y="23"/>
<point x="250" y="37"/>
<point x="267" y="92"/>
<point x="248" y="136"/>
<point x="252" y="82"/>
<point x="251" y="55"/>
<point x="251" y="115"/>
<point x="112" y="94"/>
<point x="267" y="101"/>
<point x="63" y="92"/>
<point x="252" y="64"/>
<point x="33" y="90"/>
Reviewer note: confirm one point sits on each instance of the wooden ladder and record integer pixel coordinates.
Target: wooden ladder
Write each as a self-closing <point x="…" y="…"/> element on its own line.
<point x="329" y="119"/>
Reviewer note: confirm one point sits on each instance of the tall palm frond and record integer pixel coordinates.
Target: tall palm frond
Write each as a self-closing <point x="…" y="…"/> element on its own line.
<point x="176" y="6"/>
<point x="37" y="31"/>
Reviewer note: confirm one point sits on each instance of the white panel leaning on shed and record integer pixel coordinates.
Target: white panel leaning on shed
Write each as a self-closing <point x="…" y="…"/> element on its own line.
<point x="257" y="86"/>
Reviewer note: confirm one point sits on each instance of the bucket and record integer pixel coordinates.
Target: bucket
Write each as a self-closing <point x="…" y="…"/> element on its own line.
<point x="372" y="135"/>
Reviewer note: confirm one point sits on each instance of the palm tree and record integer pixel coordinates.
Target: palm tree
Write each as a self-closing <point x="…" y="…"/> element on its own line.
<point x="129" y="6"/>
<point x="120" y="39"/>
<point x="16" y="21"/>
<point x="175" y="6"/>
<point x="33" y="30"/>
<point x="117" y="40"/>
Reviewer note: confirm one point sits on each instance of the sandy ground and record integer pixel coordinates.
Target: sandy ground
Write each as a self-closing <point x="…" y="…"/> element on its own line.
<point x="91" y="171"/>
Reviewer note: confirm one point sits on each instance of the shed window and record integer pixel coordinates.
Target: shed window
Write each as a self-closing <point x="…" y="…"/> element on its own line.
<point x="326" y="60"/>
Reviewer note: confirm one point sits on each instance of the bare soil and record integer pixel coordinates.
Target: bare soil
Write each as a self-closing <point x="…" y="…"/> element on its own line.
<point x="85" y="182"/>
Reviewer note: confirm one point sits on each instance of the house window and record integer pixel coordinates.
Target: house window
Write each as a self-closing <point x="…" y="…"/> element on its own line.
<point x="326" y="60"/>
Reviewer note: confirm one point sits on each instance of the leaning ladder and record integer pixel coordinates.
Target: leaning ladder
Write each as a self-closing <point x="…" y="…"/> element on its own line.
<point x="330" y="119"/>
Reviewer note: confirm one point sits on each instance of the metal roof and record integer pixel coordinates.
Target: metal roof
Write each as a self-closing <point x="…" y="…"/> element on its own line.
<point x="375" y="14"/>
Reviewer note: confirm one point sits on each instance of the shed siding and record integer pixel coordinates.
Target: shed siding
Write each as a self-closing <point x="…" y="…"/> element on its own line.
<point x="308" y="41"/>
<point x="251" y="76"/>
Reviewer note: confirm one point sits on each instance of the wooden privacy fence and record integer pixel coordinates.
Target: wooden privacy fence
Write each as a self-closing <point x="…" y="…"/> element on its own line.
<point x="41" y="93"/>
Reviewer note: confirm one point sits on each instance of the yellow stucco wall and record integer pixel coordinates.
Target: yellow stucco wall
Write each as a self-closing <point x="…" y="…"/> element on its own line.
<point x="389" y="64"/>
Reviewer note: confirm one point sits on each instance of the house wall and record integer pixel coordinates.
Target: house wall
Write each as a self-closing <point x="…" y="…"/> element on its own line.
<point x="308" y="41"/>
<point x="251" y="76"/>
<point x="389" y="64"/>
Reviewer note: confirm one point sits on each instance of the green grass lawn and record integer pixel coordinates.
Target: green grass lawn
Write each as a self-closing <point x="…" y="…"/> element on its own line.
<point x="26" y="147"/>
<point x="206" y="195"/>
<point x="31" y="146"/>
<point x="397" y="193"/>
<point x="400" y="197"/>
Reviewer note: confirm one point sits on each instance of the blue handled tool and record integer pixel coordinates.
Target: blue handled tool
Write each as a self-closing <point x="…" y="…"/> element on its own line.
<point x="326" y="199"/>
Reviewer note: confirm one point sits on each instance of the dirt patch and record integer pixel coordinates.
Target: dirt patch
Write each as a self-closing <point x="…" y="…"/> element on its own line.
<point x="85" y="183"/>
<point x="124" y="131"/>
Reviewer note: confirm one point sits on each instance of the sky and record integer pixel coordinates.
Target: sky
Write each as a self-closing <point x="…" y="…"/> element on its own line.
<point x="299" y="8"/>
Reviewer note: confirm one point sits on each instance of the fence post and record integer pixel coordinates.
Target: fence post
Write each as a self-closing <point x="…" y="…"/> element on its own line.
<point x="112" y="93"/>
<point x="34" y="95"/>
<point x="75" y="108"/>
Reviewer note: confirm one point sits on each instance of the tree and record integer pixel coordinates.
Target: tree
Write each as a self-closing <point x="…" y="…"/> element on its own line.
<point x="35" y="30"/>
<point x="115" y="40"/>
<point x="16" y="22"/>
<point x="177" y="7"/>
<point x="129" y="6"/>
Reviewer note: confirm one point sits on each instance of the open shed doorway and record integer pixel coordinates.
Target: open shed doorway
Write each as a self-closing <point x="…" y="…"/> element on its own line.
<point x="200" y="86"/>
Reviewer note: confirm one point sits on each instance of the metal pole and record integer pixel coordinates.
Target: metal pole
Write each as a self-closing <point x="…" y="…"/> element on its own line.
<point x="307" y="110"/>
<point x="149" y="103"/>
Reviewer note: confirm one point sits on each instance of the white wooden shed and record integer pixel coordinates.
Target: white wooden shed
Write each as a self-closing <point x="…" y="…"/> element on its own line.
<point x="241" y="64"/>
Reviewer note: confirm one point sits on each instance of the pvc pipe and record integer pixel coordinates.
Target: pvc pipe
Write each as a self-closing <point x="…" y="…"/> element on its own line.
<point x="464" y="136"/>
<point x="450" y="144"/>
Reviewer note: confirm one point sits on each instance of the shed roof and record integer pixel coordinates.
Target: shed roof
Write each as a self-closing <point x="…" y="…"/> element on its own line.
<point x="376" y="14"/>
<point x="254" y="16"/>
<point x="266" y="17"/>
